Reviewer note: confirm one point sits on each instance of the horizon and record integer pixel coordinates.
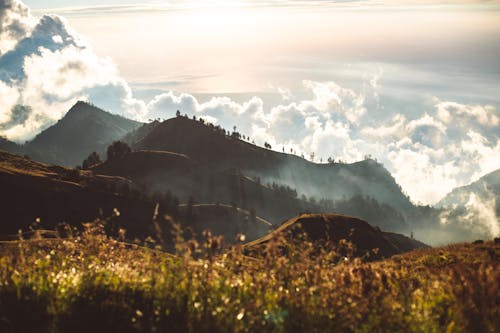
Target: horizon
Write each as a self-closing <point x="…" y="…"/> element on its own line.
<point x="342" y="80"/>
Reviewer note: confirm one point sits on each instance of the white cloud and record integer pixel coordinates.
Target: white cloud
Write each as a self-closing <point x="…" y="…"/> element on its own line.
<point x="476" y="213"/>
<point x="47" y="67"/>
<point x="428" y="155"/>
<point x="15" y="23"/>
<point x="461" y="114"/>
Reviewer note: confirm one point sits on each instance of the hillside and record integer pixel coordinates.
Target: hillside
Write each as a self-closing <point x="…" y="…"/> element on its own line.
<point x="332" y="228"/>
<point x="54" y="195"/>
<point x="145" y="164"/>
<point x="162" y="172"/>
<point x="210" y="146"/>
<point x="84" y="129"/>
<point x="95" y="284"/>
<point x="10" y="146"/>
<point x="225" y="220"/>
<point x="32" y="191"/>
<point x="474" y="209"/>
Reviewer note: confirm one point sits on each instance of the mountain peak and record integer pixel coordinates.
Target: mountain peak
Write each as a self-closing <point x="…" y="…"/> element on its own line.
<point x="85" y="128"/>
<point x="86" y="107"/>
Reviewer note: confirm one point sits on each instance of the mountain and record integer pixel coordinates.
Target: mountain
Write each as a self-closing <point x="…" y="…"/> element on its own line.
<point x="163" y="172"/>
<point x="217" y="150"/>
<point x="36" y="195"/>
<point x="487" y="187"/>
<point x="332" y="228"/>
<point x="84" y="129"/>
<point x="474" y="208"/>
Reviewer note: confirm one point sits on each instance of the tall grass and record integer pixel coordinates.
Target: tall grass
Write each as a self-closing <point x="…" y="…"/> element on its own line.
<point x="91" y="283"/>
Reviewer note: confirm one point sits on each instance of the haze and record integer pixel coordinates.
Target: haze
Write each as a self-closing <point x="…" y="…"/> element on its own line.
<point x="416" y="86"/>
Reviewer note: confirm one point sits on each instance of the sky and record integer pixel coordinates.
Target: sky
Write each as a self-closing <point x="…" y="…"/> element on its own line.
<point x="416" y="85"/>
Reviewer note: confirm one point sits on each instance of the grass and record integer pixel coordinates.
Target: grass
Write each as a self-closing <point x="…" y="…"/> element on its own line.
<point x="90" y="283"/>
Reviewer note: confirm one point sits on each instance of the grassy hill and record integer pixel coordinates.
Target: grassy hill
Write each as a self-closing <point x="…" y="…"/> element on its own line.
<point x="330" y="229"/>
<point x="95" y="284"/>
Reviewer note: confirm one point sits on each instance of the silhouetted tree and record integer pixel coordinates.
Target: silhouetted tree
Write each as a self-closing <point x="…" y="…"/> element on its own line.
<point x="91" y="160"/>
<point x="118" y="149"/>
<point x="178" y="113"/>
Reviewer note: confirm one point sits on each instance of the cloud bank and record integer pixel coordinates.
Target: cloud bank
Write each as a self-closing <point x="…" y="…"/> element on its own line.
<point x="45" y="67"/>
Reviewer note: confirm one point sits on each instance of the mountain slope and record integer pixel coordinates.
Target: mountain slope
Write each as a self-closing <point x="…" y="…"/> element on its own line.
<point x="474" y="208"/>
<point x="84" y="129"/>
<point x="31" y="190"/>
<point x="53" y="194"/>
<point x="161" y="172"/>
<point x="209" y="145"/>
<point x="10" y="146"/>
<point x="486" y="187"/>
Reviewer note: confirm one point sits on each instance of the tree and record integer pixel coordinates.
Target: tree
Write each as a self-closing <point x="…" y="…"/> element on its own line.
<point x="178" y="113"/>
<point x="118" y="149"/>
<point x="91" y="160"/>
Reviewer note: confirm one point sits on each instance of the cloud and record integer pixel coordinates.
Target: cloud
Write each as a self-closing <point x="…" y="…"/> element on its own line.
<point x="476" y="213"/>
<point x="15" y="23"/>
<point x="46" y="66"/>
<point x="429" y="154"/>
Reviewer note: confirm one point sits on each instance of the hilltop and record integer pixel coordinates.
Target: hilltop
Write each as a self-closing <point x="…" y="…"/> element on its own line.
<point x="85" y="128"/>
<point x="330" y="229"/>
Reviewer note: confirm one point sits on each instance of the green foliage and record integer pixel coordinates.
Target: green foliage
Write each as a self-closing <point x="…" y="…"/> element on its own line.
<point x="90" y="283"/>
<point x="91" y="160"/>
<point x="118" y="149"/>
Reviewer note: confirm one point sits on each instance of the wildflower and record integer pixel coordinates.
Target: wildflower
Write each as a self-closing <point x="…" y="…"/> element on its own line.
<point x="241" y="314"/>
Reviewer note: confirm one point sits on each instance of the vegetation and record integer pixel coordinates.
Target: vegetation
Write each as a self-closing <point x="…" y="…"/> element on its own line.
<point x="117" y="150"/>
<point x="91" y="283"/>
<point x="91" y="160"/>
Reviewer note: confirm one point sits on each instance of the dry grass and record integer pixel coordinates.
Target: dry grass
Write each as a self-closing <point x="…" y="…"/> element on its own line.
<point x="90" y="283"/>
